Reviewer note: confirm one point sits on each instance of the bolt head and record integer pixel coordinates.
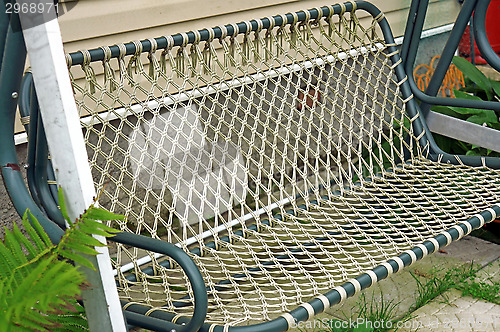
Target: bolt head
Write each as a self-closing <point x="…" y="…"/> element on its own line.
<point x="14" y="95"/>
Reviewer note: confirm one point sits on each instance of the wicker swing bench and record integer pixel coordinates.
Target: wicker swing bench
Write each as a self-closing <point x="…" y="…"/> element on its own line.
<point x="286" y="159"/>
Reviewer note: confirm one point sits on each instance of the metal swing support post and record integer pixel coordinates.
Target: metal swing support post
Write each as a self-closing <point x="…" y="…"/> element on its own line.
<point x="39" y="35"/>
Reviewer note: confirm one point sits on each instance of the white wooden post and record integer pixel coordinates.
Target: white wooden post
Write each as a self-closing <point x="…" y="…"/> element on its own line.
<point x="69" y="157"/>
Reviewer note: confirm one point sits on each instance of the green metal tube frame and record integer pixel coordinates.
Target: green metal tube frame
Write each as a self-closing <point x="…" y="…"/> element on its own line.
<point x="28" y="108"/>
<point x="483" y="44"/>
<point x="415" y="25"/>
<point x="12" y="65"/>
<point x="13" y="60"/>
<point x="409" y="48"/>
<point x="22" y="200"/>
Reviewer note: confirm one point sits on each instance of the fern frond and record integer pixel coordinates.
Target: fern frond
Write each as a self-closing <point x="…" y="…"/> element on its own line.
<point x="36" y="231"/>
<point x="77" y="236"/>
<point x="7" y="262"/>
<point x="70" y="318"/>
<point x="52" y="283"/>
<point x="83" y="247"/>
<point x="38" y="285"/>
<point x="97" y="228"/>
<point x="62" y="206"/>
<point x="25" y="242"/>
<point x="77" y="258"/>
<point x="73" y="319"/>
<point x="96" y="213"/>
<point x="15" y="248"/>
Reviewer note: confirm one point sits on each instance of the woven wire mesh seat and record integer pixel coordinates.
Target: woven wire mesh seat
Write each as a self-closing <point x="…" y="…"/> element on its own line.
<point x="286" y="156"/>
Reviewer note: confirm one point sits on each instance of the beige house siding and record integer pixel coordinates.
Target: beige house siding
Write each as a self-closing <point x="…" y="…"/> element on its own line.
<point x="94" y="23"/>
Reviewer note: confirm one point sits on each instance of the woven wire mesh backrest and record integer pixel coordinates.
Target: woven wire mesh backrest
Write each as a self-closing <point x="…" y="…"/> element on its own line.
<point x="203" y="139"/>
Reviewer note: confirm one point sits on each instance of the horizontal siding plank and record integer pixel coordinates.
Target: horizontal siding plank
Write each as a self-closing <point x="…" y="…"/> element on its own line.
<point x="95" y="23"/>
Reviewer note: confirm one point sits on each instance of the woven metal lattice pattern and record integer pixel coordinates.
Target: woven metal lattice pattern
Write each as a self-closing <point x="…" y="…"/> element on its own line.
<point x="263" y="155"/>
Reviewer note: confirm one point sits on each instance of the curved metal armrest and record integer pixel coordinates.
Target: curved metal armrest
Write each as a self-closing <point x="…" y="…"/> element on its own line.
<point x="186" y="263"/>
<point x="483" y="44"/>
<point x="410" y="48"/>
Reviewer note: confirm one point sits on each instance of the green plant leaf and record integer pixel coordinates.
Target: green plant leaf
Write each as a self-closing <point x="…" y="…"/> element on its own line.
<point x="85" y="227"/>
<point x="25" y="242"/>
<point x="467" y="111"/>
<point x="83" y="248"/>
<point x="7" y="262"/>
<point x="496" y="87"/>
<point x="469" y="70"/>
<point x="447" y="111"/>
<point x="96" y="225"/>
<point x="51" y="283"/>
<point x="464" y="95"/>
<point x="487" y="116"/>
<point x="77" y="237"/>
<point x="462" y="110"/>
<point x="495" y="126"/>
<point x="445" y="143"/>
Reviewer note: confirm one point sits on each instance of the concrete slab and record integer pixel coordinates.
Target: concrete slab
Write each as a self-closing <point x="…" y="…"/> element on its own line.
<point x="457" y="313"/>
<point x="400" y="289"/>
<point x="490" y="273"/>
<point x="472" y="249"/>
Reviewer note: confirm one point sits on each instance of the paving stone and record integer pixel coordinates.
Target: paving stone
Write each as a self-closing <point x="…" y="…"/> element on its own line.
<point x="490" y="273"/>
<point x="401" y="289"/>
<point x="458" y="314"/>
<point x="491" y="73"/>
<point x="472" y="249"/>
<point x="450" y="311"/>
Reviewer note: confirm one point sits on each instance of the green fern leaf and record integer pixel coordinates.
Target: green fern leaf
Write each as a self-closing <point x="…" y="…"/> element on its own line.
<point x="77" y="259"/>
<point x="72" y="319"/>
<point x="38" y="285"/>
<point x="79" y="237"/>
<point x="96" y="213"/>
<point x="87" y="227"/>
<point x="30" y="223"/>
<point x="32" y="323"/>
<point x="83" y="248"/>
<point x="25" y="242"/>
<point x="52" y="282"/>
<point x="28" y="284"/>
<point x="62" y="206"/>
<point x="7" y="262"/>
<point x="95" y="227"/>
<point x="15" y="249"/>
